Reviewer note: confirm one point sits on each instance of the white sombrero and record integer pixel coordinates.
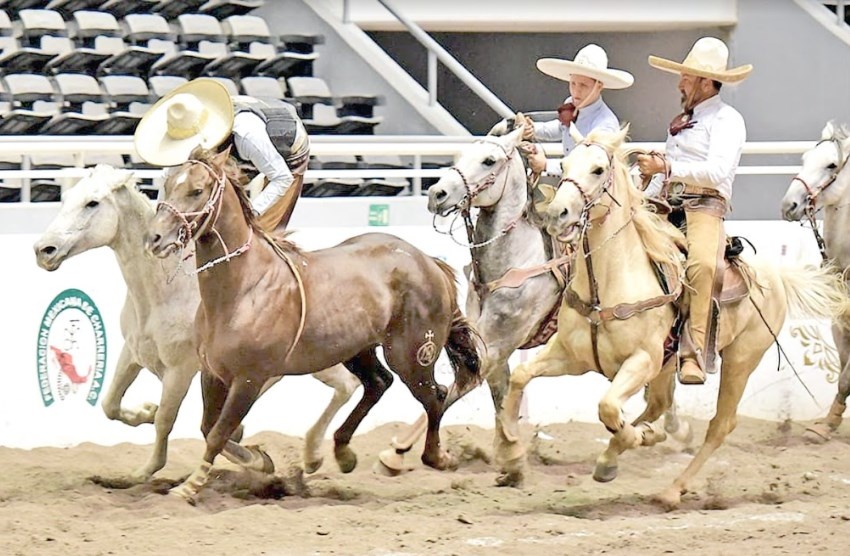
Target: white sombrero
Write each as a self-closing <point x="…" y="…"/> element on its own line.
<point x="707" y="58"/>
<point x="591" y="61"/>
<point x="199" y="112"/>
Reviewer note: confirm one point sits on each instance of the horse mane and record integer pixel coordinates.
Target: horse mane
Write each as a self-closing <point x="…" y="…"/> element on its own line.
<point x="660" y="239"/>
<point x="840" y="132"/>
<point x="234" y="174"/>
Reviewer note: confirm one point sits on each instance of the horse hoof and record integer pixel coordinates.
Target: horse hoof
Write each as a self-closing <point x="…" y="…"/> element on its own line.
<point x="819" y="433"/>
<point x="392" y="459"/>
<point x="444" y="462"/>
<point x="669" y="499"/>
<point x="261" y="461"/>
<point x="182" y="493"/>
<point x="604" y="473"/>
<point x="345" y="458"/>
<point x="237" y="434"/>
<point x="379" y="468"/>
<point x="512" y="479"/>
<point x="313" y="466"/>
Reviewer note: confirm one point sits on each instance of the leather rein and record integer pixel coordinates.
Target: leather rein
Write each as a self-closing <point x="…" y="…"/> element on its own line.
<point x="592" y="310"/>
<point x="195" y="223"/>
<point x="812" y="193"/>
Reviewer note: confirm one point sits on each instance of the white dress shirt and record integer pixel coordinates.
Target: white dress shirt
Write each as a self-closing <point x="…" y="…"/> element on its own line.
<point x="706" y="155"/>
<point x="253" y="143"/>
<point x="595" y="115"/>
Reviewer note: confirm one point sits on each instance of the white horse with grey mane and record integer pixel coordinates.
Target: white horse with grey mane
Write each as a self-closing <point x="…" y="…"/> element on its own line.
<point x="823" y="184"/>
<point x="157" y="321"/>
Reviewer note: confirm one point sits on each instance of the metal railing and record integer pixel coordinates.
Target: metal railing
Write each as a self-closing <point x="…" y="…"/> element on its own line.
<point x="437" y="52"/>
<point x="416" y="147"/>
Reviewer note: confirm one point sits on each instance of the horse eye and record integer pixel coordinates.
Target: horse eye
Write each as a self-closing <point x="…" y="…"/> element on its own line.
<point x="92" y="204"/>
<point x="598" y="172"/>
<point x="489" y="161"/>
<point x="832" y="166"/>
<point x="196" y="192"/>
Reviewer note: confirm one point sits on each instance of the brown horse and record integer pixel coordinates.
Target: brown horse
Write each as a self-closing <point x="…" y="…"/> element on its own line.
<point x="267" y="302"/>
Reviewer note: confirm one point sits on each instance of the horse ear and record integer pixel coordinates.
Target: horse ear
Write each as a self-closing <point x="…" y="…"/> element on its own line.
<point x="515" y="136"/>
<point x="220" y="159"/>
<point x="828" y="130"/>
<point x="575" y="133"/>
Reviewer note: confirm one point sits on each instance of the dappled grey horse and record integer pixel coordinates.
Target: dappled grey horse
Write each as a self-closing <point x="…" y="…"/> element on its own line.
<point x="824" y="184"/>
<point x="157" y="321"/>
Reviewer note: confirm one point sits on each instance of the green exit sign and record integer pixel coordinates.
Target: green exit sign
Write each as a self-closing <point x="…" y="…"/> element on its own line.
<point x="379" y="215"/>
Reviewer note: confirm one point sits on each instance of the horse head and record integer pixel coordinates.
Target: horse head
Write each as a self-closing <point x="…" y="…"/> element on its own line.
<point x="193" y="195"/>
<point x="88" y="218"/>
<point x="821" y="180"/>
<point x="588" y="173"/>
<point x="479" y="176"/>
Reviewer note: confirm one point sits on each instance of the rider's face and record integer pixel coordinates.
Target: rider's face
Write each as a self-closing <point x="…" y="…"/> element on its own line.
<point x="584" y="90"/>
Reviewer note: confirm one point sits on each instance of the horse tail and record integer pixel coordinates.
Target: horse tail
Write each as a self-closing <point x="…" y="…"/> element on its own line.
<point x="815" y="292"/>
<point x="464" y="343"/>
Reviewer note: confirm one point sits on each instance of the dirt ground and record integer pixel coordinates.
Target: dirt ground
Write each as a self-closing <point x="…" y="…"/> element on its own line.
<point x="766" y="491"/>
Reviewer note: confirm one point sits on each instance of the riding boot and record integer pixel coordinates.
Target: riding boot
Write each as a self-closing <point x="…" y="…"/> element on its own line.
<point x="692" y="369"/>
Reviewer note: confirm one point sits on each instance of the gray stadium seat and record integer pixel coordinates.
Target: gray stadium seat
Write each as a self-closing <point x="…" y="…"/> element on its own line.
<point x="229" y="84"/>
<point x="101" y="32"/>
<point x="334" y="187"/>
<point x="67" y="7"/>
<point x="383" y="187"/>
<point x="263" y="87"/>
<point x="129" y="98"/>
<point x="153" y="31"/>
<point x="33" y="103"/>
<point x="121" y="8"/>
<point x="221" y="9"/>
<point x="170" y="9"/>
<point x="13" y="7"/>
<point x="250" y="34"/>
<point x="82" y="106"/>
<point x="161" y="85"/>
<point x="204" y="34"/>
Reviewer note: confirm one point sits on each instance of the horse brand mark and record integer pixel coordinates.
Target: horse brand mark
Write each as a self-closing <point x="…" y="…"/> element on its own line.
<point x="71" y="349"/>
<point x="427" y="352"/>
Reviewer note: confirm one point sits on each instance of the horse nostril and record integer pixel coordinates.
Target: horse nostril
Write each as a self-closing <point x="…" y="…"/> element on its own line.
<point x="47" y="250"/>
<point x="564" y="214"/>
<point x="792" y="207"/>
<point x="155" y="239"/>
<point x="440" y="194"/>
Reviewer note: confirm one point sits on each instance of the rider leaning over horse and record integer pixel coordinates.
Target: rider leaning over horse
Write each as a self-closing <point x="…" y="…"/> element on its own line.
<point x="264" y="133"/>
<point x="695" y="174"/>
<point x="587" y="75"/>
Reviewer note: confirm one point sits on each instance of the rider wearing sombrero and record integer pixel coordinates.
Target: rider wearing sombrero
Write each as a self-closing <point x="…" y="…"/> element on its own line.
<point x="702" y="154"/>
<point x="267" y="134"/>
<point x="587" y="75"/>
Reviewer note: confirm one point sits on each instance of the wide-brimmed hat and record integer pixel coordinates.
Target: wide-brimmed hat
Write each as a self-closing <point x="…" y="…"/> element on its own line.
<point x="199" y="112"/>
<point x="591" y="61"/>
<point x="708" y="58"/>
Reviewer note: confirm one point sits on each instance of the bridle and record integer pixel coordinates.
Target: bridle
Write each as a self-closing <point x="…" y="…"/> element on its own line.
<point x="195" y="223"/>
<point x="812" y="193"/>
<point x="589" y="203"/>
<point x="463" y="207"/>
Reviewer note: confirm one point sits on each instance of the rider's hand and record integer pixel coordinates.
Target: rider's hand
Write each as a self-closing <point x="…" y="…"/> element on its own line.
<point x="527" y="125"/>
<point x="534" y="155"/>
<point x="651" y="164"/>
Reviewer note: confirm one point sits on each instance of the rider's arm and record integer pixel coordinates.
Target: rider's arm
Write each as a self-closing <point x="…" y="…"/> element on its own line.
<point x="253" y="143"/>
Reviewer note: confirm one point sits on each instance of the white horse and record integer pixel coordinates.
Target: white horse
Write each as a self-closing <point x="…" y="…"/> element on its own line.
<point x="824" y="184"/>
<point x="157" y="321"/>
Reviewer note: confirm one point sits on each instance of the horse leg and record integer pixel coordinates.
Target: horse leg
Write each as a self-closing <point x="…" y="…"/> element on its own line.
<point x="633" y="374"/>
<point x="344" y="384"/>
<point x="822" y="430"/>
<point x="509" y="452"/>
<point x="733" y="380"/>
<point x="376" y="380"/>
<point x="241" y="395"/>
<point x="175" y="384"/>
<point x="659" y="398"/>
<point x="126" y="372"/>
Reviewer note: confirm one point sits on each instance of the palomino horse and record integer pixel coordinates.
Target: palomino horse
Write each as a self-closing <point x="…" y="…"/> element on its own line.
<point x="157" y="321"/>
<point x="824" y="183"/>
<point x="269" y="309"/>
<point x="490" y="174"/>
<point x="616" y="316"/>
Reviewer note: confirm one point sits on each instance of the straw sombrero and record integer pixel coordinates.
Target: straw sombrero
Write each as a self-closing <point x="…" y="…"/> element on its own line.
<point x="199" y="112"/>
<point x="707" y="58"/>
<point x="591" y="61"/>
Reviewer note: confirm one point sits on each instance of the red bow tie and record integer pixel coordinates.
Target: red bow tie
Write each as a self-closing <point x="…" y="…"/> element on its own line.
<point x="567" y="113"/>
<point x="680" y="122"/>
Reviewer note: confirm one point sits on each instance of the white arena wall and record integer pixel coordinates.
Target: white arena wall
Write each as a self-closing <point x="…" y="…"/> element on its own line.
<point x="292" y="405"/>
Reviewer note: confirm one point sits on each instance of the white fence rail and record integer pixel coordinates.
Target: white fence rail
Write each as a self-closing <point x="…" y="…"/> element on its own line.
<point x="415" y="146"/>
